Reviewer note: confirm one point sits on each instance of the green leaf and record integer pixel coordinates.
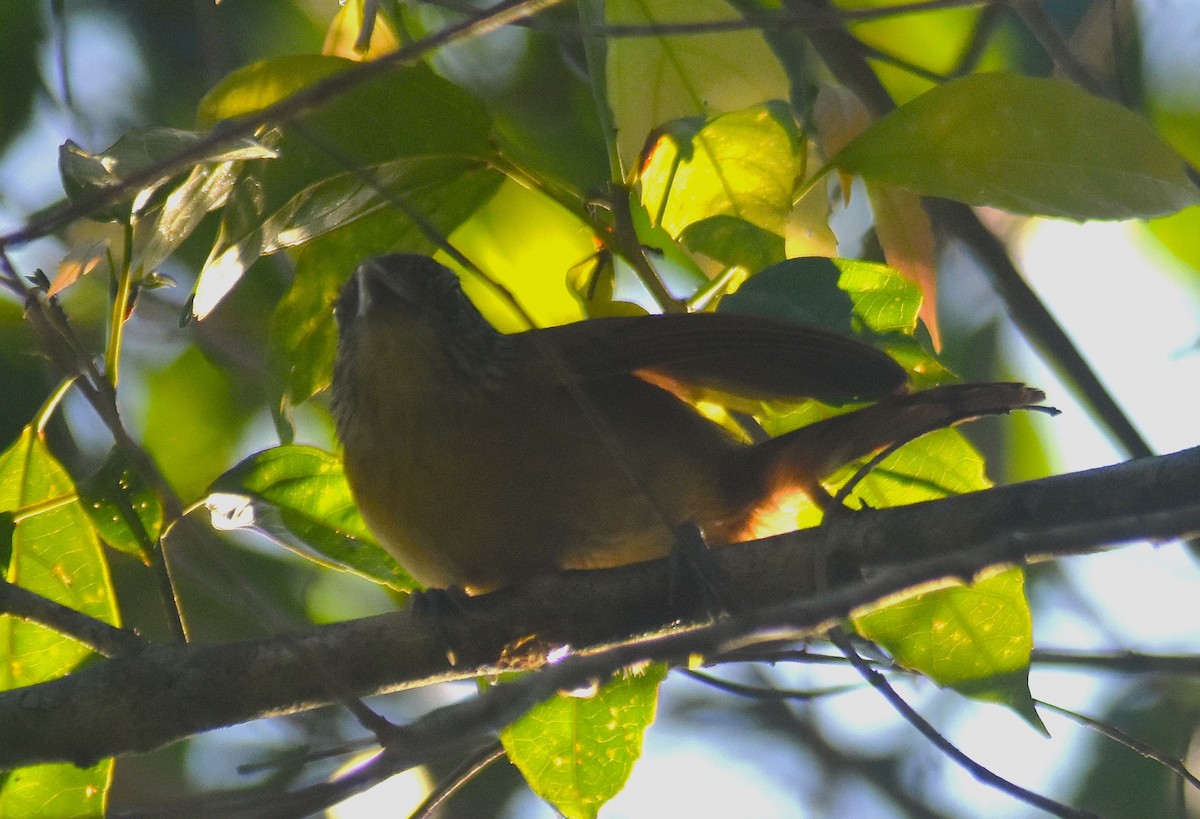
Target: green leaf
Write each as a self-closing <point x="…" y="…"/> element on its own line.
<point x="303" y="336"/>
<point x="125" y="511"/>
<point x="975" y="638"/>
<point x="393" y="141"/>
<point x="872" y="300"/>
<point x="205" y="189"/>
<point x="653" y="80"/>
<point x="936" y="465"/>
<point x="734" y="241"/>
<point x="408" y="112"/>
<point x="936" y="40"/>
<point x="55" y="790"/>
<point x="528" y="244"/>
<point x="739" y="169"/>
<point x="420" y="182"/>
<point x="298" y="497"/>
<point x="83" y="173"/>
<point x="183" y="399"/>
<point x="21" y="36"/>
<point x="863" y="299"/>
<point x="1026" y="145"/>
<point x="55" y="553"/>
<point x="803" y="290"/>
<point x="577" y="752"/>
<point x="254" y="87"/>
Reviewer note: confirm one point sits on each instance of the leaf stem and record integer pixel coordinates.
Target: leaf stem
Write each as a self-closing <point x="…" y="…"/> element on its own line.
<point x="120" y="306"/>
<point x="47" y="409"/>
<point x="591" y="16"/>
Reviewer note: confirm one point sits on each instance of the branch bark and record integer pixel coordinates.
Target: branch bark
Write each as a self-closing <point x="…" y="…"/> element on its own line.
<point x="165" y="693"/>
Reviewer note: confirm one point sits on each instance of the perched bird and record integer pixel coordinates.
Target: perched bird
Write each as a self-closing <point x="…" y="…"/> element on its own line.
<point x="480" y="459"/>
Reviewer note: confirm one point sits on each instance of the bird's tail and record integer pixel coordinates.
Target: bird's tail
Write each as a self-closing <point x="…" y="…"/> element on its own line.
<point x="800" y="458"/>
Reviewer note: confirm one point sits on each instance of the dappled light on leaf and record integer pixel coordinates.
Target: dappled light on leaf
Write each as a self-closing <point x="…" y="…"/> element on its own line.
<point x="577" y="751"/>
<point x="974" y="638"/>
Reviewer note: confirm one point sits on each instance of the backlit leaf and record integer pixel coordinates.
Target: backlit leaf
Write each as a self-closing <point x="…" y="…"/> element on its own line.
<point x="577" y="751"/>
<point x="298" y="497"/>
<point x="936" y="40"/>
<point x="653" y="80"/>
<point x="55" y="553"/>
<point x="59" y="789"/>
<point x="975" y="638"/>
<point x="726" y="186"/>
<point x="383" y="143"/>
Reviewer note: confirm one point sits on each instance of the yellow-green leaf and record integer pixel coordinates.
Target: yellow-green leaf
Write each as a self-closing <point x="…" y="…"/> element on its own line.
<point x="726" y="185"/>
<point x="55" y="553"/>
<point x="59" y="789"/>
<point x="976" y="638"/>
<point x="577" y="752"/>
<point x="653" y="80"/>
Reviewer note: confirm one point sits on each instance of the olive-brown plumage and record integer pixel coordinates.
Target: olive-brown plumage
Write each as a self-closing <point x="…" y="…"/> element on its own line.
<point x="480" y="459"/>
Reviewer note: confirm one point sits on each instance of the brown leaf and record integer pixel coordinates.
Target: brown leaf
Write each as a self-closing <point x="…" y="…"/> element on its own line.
<point x="77" y="264"/>
<point x="906" y="236"/>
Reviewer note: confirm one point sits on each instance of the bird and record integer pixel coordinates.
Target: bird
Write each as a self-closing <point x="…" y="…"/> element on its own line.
<point x="480" y="459"/>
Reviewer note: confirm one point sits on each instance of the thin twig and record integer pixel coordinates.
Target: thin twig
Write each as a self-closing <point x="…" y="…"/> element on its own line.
<point x="766" y="692"/>
<point x="1172" y="764"/>
<point x="287" y="109"/>
<point x="910" y="715"/>
<point x="813" y="20"/>
<point x="471" y="767"/>
<point x="97" y="634"/>
<point x="1041" y="26"/>
<point x="1126" y="662"/>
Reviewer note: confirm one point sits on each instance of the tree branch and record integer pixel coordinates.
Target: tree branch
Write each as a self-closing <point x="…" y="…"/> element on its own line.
<point x="842" y="53"/>
<point x="96" y="634"/>
<point x="289" y="108"/>
<point x="166" y="693"/>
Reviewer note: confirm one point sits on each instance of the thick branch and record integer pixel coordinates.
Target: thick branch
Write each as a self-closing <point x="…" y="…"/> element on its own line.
<point x="163" y="694"/>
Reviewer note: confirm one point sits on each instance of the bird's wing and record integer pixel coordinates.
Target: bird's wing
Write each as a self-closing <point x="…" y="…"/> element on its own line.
<point x="742" y="355"/>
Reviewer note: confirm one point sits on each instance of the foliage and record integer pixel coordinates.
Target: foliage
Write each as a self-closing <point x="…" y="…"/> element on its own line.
<point x="682" y="170"/>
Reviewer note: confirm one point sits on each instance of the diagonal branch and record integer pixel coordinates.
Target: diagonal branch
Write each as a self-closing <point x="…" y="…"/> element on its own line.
<point x="289" y="108"/>
<point x="843" y="55"/>
<point x="165" y="693"/>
